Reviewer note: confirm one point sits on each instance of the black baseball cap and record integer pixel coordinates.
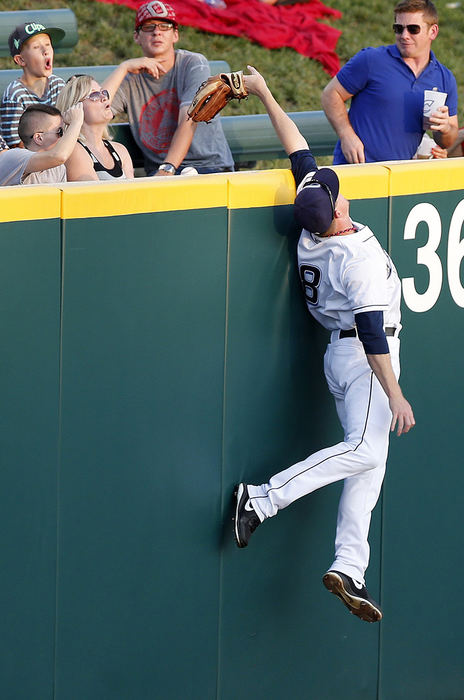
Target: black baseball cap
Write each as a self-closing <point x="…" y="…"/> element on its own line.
<point x="315" y="202"/>
<point x="25" y="31"/>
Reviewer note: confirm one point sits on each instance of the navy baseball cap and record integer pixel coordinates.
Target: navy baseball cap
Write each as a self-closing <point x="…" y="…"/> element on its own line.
<point x="24" y="32"/>
<point x="315" y="201"/>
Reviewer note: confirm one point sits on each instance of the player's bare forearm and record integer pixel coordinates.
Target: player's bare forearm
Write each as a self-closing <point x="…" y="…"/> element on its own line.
<point x="402" y="414"/>
<point x="287" y="131"/>
<point x="181" y="140"/>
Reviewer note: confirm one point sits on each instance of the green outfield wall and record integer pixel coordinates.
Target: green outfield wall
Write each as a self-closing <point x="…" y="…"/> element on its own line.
<point x="156" y="350"/>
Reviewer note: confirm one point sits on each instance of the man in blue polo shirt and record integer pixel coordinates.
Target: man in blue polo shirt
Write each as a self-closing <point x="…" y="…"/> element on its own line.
<point x="386" y="87"/>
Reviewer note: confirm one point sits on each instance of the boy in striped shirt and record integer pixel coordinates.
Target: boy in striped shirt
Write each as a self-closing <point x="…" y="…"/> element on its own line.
<point x="31" y="48"/>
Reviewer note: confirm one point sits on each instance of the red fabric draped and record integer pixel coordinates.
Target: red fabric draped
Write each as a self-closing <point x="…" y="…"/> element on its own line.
<point x="272" y="26"/>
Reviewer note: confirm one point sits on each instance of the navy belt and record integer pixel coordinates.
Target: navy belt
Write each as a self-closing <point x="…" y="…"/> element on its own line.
<point x="352" y="332"/>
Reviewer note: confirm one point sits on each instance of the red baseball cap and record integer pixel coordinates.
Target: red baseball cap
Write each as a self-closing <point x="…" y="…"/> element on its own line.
<point x="155" y="10"/>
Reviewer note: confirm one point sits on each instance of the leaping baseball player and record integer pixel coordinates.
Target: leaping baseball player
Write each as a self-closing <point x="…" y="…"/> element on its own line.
<point x="352" y="288"/>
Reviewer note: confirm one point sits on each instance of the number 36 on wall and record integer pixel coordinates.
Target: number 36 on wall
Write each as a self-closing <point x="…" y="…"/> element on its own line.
<point x="427" y="255"/>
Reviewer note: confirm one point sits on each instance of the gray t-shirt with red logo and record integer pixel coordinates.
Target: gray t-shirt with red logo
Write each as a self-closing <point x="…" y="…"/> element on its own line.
<point x="152" y="107"/>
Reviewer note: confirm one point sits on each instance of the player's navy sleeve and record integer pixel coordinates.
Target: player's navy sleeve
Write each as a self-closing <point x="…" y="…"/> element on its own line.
<point x="302" y="163"/>
<point x="371" y="332"/>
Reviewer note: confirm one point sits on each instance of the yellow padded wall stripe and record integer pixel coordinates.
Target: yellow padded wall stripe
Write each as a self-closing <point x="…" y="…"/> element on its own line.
<point x="143" y="195"/>
<point x="277" y="187"/>
<point x="261" y="189"/>
<point x="236" y="190"/>
<point x="441" y="175"/>
<point x="29" y="203"/>
<point x="368" y="181"/>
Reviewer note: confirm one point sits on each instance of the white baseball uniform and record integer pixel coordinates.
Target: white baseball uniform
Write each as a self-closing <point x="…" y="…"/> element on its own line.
<point x="343" y="276"/>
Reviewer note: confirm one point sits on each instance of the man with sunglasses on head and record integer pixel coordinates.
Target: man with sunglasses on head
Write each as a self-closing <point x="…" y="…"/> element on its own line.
<point x="386" y="87"/>
<point x="46" y="146"/>
<point x="352" y="289"/>
<point x="156" y="99"/>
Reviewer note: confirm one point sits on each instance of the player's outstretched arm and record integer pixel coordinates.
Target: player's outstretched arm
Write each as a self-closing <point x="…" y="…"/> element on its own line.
<point x="285" y="128"/>
<point x="402" y="414"/>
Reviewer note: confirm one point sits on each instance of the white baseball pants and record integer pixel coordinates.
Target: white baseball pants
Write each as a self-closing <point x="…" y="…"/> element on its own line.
<point x="365" y="415"/>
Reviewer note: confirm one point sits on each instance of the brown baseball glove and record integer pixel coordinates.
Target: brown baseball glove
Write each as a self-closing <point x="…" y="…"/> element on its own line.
<point x="214" y="94"/>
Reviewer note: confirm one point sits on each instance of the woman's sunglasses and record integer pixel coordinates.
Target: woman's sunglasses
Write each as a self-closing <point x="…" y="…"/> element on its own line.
<point x="98" y="95"/>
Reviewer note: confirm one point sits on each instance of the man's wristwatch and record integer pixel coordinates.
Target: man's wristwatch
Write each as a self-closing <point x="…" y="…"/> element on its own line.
<point x="168" y="168"/>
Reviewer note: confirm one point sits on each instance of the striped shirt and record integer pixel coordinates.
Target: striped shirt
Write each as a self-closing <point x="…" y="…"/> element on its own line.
<point x="3" y="144"/>
<point x="15" y="100"/>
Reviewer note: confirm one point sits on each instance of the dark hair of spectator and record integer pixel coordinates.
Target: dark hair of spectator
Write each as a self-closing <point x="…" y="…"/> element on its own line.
<point x="28" y="121"/>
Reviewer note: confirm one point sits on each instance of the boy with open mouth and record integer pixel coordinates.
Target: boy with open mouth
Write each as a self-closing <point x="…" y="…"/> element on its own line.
<point x="31" y="48"/>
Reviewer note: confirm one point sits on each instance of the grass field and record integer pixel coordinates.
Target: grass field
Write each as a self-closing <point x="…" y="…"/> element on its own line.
<point x="105" y="37"/>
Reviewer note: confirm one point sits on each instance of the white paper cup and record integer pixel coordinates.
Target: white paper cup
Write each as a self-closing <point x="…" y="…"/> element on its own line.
<point x="432" y="101"/>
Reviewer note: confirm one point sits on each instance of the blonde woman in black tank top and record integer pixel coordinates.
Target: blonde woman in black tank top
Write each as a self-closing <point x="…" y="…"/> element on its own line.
<point x="95" y="157"/>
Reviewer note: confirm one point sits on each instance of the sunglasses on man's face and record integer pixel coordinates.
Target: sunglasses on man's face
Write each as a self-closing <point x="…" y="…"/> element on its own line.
<point x="98" y="95"/>
<point x="59" y="132"/>
<point x="412" y="28"/>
